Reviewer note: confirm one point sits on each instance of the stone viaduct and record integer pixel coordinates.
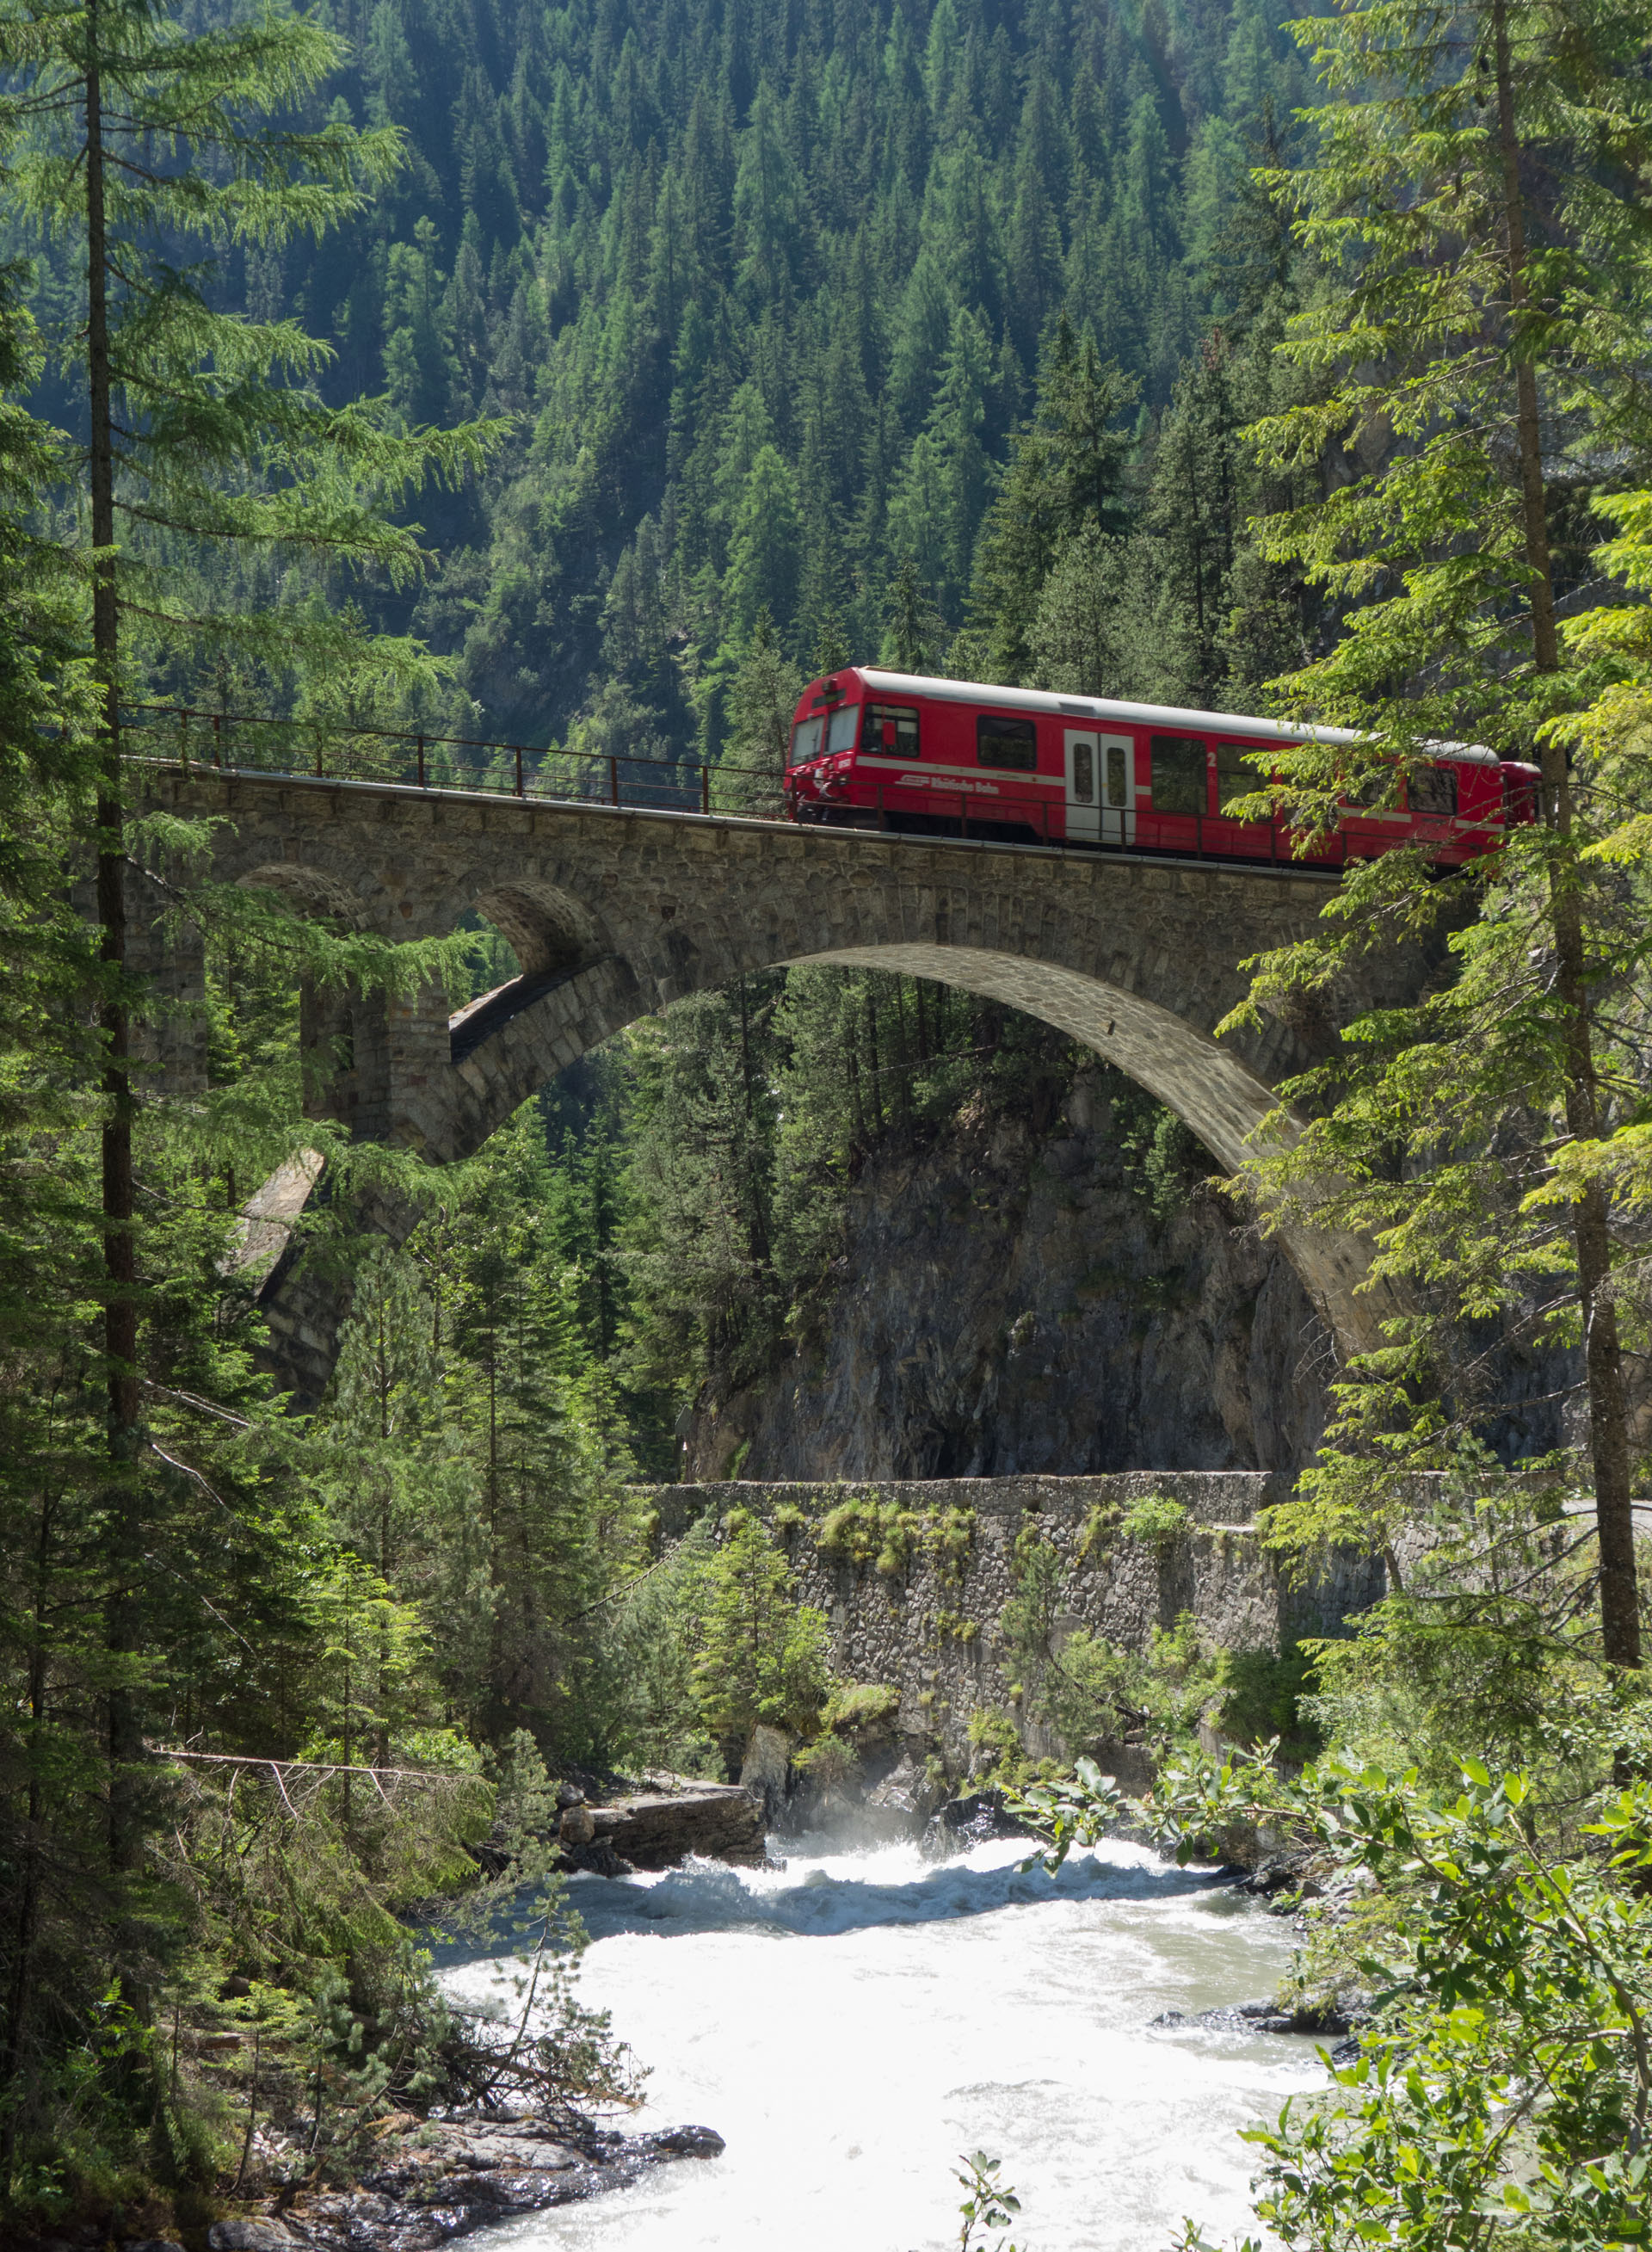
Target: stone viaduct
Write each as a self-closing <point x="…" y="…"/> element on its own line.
<point x="615" y="913"/>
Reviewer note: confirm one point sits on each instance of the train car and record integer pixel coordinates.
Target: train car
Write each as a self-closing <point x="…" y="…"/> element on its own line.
<point x="951" y="758"/>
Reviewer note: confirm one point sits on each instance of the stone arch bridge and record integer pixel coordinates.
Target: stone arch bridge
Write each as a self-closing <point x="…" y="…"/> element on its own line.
<point x="614" y="912"/>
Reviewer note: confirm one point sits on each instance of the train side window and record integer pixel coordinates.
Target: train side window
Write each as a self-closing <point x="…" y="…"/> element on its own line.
<point x="1179" y="770"/>
<point x="805" y="741"/>
<point x="1116" y="773"/>
<point x="1432" y="790"/>
<point x="1233" y="778"/>
<point x="891" y="728"/>
<point x="1373" y="792"/>
<point x="840" y="736"/>
<point x="1084" y="773"/>
<point x="1004" y="742"/>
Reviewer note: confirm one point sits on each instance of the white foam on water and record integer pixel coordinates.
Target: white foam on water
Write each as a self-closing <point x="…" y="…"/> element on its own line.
<point x="850" y="2023"/>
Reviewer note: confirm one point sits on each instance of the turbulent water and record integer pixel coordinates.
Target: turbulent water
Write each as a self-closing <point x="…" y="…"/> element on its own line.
<point x="853" y="2022"/>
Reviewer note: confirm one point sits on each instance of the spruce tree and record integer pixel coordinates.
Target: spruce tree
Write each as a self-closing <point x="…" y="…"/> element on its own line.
<point x="1477" y="197"/>
<point x="193" y="433"/>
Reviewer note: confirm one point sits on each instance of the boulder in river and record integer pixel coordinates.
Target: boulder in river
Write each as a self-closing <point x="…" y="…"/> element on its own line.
<point x="656" y="1828"/>
<point x="577" y="1825"/>
<point x="907" y="1797"/>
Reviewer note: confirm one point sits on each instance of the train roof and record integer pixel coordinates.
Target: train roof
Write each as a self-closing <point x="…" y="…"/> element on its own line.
<point x="1102" y="708"/>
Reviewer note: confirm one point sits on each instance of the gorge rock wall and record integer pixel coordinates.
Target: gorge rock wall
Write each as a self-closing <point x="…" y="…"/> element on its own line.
<point x="1014" y="1301"/>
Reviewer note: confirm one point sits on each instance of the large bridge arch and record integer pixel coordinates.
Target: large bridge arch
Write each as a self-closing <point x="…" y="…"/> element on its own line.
<point x="616" y="913"/>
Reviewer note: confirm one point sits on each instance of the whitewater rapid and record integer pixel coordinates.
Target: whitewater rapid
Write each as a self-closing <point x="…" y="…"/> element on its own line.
<point x="852" y="2023"/>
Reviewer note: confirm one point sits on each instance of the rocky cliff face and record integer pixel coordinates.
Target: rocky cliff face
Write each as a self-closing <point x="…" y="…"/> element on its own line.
<point x="1014" y="1301"/>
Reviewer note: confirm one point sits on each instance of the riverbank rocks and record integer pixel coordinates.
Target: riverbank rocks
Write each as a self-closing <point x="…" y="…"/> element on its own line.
<point x="453" y="2177"/>
<point x="577" y="1825"/>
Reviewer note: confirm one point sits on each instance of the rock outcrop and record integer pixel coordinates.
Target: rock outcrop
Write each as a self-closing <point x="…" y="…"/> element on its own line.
<point x="1013" y="1301"/>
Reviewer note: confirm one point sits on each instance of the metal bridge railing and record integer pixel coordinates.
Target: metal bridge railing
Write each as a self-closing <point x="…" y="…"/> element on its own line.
<point x="246" y="743"/>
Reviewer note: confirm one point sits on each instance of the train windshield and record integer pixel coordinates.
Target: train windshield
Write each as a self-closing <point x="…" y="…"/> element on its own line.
<point x="840" y="736"/>
<point x="806" y="742"/>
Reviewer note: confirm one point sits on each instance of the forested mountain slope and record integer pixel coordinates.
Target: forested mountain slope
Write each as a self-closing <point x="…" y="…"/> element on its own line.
<point x="766" y="286"/>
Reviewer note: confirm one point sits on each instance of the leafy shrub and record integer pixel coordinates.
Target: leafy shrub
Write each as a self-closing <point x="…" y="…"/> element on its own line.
<point x="864" y="1708"/>
<point x="1263" y="1699"/>
<point x="994" y="1743"/>
<point x="1155" y="1518"/>
<point x="865" y="1531"/>
<point x="948" y="1535"/>
<point x="1096" y="1533"/>
<point x="1509" y="2044"/>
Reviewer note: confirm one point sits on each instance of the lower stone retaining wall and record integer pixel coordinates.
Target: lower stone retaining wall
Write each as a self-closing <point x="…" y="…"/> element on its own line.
<point x="930" y="1627"/>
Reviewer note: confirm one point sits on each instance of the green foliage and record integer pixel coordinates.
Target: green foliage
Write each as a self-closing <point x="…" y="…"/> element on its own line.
<point x="1092" y="1693"/>
<point x="1509" y="2041"/>
<point x="1486" y="1651"/>
<point x="988" y="2203"/>
<point x="863" y="1530"/>
<point x="994" y="1742"/>
<point x="761" y="356"/>
<point x="829" y="1761"/>
<point x="1269" y="1697"/>
<point x="224" y="439"/>
<point x="1102" y="1521"/>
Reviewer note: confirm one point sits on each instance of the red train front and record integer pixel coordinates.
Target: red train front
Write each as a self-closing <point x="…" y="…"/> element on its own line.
<point x="950" y="758"/>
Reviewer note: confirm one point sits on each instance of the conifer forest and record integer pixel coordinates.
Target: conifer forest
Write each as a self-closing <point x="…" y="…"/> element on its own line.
<point x="576" y="380"/>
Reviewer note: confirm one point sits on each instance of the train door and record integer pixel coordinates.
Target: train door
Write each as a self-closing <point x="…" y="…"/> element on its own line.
<point x="1084" y="787"/>
<point x="1115" y="769"/>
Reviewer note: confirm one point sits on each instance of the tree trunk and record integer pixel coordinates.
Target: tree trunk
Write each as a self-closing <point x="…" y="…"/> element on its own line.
<point x="1591" y="1237"/>
<point x="28" y="1879"/>
<point x="120" y="1251"/>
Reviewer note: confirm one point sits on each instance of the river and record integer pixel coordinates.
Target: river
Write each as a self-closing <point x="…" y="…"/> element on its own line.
<point x="853" y="2022"/>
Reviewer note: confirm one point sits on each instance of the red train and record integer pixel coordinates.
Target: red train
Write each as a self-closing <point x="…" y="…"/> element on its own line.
<point x="951" y="758"/>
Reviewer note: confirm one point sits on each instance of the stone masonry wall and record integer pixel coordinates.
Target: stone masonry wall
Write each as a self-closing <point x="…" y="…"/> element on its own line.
<point x="933" y="1635"/>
